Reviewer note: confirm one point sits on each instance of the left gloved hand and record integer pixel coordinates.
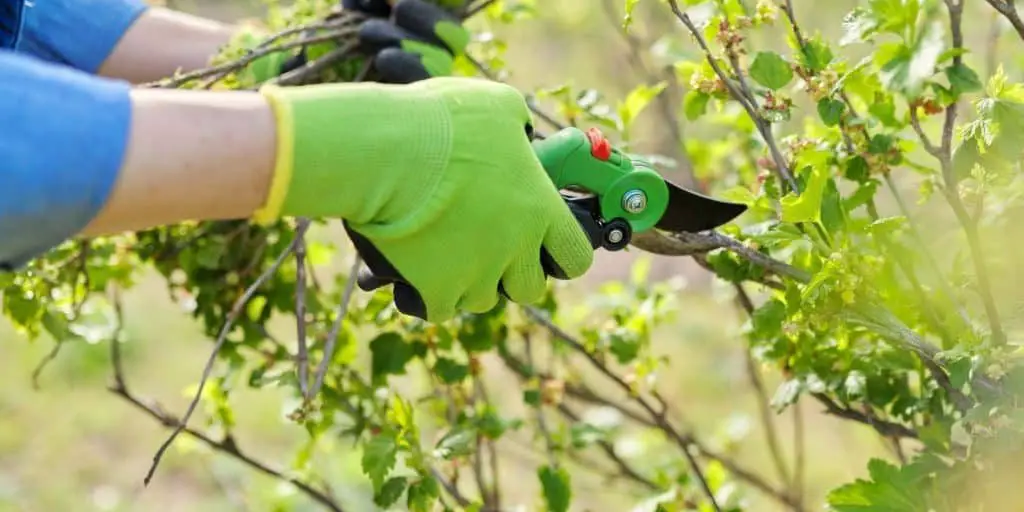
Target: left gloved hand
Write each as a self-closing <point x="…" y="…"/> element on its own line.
<point x="412" y="41"/>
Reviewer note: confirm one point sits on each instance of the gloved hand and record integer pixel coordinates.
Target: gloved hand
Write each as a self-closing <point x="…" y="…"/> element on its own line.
<point x="414" y="40"/>
<point x="437" y="183"/>
<point x="411" y="41"/>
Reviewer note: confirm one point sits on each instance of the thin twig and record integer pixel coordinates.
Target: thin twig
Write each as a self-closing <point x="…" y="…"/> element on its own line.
<point x="227" y="446"/>
<point x="761" y="395"/>
<point x="541" y="421"/>
<point x="625" y="470"/>
<point x="302" y="354"/>
<point x="340" y="29"/>
<point x="683" y="440"/>
<point x="450" y="488"/>
<point x="236" y="310"/>
<point x="493" y="499"/>
<point x="799" y="460"/>
<point x="683" y="443"/>
<point x="81" y="262"/>
<point x="742" y="95"/>
<point x="951" y="188"/>
<point x="1009" y="11"/>
<point x="885" y="428"/>
<point x="332" y="337"/>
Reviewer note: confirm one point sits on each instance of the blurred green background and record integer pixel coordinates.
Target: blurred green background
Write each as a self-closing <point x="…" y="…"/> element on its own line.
<point x="72" y="445"/>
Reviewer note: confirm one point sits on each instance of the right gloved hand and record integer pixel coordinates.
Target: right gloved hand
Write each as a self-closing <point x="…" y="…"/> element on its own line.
<point x="437" y="183"/>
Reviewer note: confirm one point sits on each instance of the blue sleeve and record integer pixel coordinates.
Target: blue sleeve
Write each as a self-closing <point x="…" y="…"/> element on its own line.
<point x="63" y="135"/>
<point x="76" y="33"/>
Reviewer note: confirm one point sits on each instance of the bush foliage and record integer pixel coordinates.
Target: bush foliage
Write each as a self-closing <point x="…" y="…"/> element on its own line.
<point x="869" y="308"/>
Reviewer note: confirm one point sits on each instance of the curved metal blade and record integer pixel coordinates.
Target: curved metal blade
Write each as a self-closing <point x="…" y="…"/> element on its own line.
<point x="691" y="212"/>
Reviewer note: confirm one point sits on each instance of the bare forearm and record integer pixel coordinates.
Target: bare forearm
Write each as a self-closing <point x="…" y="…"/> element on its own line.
<point x="162" y="42"/>
<point x="89" y="155"/>
<point x="191" y="156"/>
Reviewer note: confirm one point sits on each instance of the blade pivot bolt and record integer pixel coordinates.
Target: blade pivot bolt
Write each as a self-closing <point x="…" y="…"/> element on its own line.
<point x="635" y="201"/>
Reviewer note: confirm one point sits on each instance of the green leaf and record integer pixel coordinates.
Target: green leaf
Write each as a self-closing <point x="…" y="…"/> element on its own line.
<point x="858" y="26"/>
<point x="889" y="490"/>
<point x="458" y="442"/>
<point x="531" y="397"/>
<point x="831" y="111"/>
<point x="585" y="434"/>
<point x="390" y="354"/>
<point x="767" y="319"/>
<point x="857" y="169"/>
<point x="450" y="371"/>
<point x="894" y="16"/>
<point x="962" y="79"/>
<point x="379" y="457"/>
<point x="422" y="495"/>
<point x="887" y="225"/>
<point x="786" y="394"/>
<point x="637" y="100"/>
<point x="771" y="70"/>
<point x="210" y="253"/>
<point x="884" y="109"/>
<point x="833" y="217"/>
<point x="908" y="68"/>
<point x="628" y="18"/>
<point x="555" y="484"/>
<point x="390" y="491"/>
<point x="807" y="206"/>
<point x="816" y="55"/>
<point x="479" y="332"/>
<point x="695" y="104"/>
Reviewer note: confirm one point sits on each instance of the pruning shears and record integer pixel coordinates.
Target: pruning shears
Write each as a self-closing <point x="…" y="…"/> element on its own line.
<point x="625" y="195"/>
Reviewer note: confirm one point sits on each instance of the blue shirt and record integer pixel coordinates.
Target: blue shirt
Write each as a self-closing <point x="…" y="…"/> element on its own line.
<point x="63" y="131"/>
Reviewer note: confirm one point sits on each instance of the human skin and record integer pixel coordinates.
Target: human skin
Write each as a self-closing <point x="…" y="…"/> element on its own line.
<point x="163" y="41"/>
<point x="192" y="155"/>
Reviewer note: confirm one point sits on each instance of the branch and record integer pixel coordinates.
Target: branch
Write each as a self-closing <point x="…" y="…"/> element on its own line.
<point x="302" y="354"/>
<point x="1009" y="11"/>
<point x="689" y="244"/>
<point x="332" y="337"/>
<point x="625" y="470"/>
<point x="525" y="371"/>
<point x="227" y="445"/>
<point x="771" y="435"/>
<point x="236" y="310"/>
<point x="741" y="95"/>
<point x="951" y="189"/>
<point x="885" y="428"/>
<point x="683" y="441"/>
<point x="337" y="29"/>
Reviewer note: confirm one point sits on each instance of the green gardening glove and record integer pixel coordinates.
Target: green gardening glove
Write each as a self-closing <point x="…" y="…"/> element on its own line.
<point x="437" y="183"/>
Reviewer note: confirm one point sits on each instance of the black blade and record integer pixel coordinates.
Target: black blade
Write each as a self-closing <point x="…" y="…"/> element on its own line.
<point x="692" y="212"/>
